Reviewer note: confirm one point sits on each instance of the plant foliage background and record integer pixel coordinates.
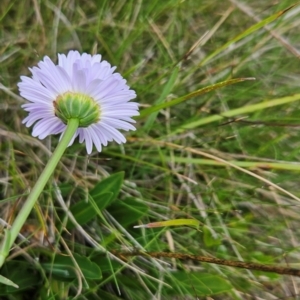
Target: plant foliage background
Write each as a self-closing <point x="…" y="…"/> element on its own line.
<point x="71" y="245"/>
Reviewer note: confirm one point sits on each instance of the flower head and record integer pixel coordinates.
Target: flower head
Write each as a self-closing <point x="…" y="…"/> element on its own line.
<point x="83" y="87"/>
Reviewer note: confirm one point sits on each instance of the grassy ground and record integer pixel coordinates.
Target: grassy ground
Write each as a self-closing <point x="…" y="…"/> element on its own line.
<point x="228" y="157"/>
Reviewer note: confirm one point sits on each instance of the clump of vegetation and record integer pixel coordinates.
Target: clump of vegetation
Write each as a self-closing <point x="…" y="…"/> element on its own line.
<point x="215" y="153"/>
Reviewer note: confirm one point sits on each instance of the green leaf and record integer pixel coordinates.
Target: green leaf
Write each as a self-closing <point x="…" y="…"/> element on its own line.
<point x="198" y="283"/>
<point x="128" y="211"/>
<point x="84" y="211"/>
<point x="64" y="267"/>
<point x="172" y="222"/>
<point x="103" y="194"/>
<point x="247" y="32"/>
<point x="133" y="288"/>
<point x="105" y="263"/>
<point x="17" y="277"/>
<point x="166" y="91"/>
<point x="236" y="112"/>
<point x="209" y="239"/>
<point x="6" y="281"/>
<point x="66" y="189"/>
<point x="196" y="93"/>
<point x="111" y="184"/>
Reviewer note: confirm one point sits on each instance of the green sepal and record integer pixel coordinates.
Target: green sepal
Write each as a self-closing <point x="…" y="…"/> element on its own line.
<point x="77" y="106"/>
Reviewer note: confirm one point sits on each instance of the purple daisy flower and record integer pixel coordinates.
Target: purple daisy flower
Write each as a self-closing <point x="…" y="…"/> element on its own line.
<point x="91" y="82"/>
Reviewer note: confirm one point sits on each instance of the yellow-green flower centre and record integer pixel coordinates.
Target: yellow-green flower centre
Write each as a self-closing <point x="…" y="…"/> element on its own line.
<point x="77" y="106"/>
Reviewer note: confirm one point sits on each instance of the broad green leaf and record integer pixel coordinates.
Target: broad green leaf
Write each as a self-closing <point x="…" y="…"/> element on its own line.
<point x="128" y="211"/>
<point x="134" y="288"/>
<point x="198" y="283"/>
<point x="63" y="267"/>
<point x="111" y="184"/>
<point x="66" y="189"/>
<point x="209" y="239"/>
<point x="106" y="264"/>
<point x="84" y="211"/>
<point x="263" y="258"/>
<point x="20" y="275"/>
<point x="103" y="194"/>
<point x="108" y="296"/>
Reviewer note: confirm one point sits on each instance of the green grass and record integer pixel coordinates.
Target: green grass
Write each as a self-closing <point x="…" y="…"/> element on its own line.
<point x="224" y="154"/>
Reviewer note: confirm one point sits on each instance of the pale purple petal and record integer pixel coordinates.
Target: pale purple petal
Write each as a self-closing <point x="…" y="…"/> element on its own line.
<point x="117" y="123"/>
<point x="47" y="127"/>
<point x="34" y="91"/>
<point x="114" y="133"/>
<point x="84" y="135"/>
<point x="85" y="74"/>
<point x="79" y="80"/>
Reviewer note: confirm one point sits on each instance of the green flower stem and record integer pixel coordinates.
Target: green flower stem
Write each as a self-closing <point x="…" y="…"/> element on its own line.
<point x="12" y="233"/>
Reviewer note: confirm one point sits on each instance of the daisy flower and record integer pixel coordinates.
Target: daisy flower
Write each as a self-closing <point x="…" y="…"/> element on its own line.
<point x="80" y="86"/>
